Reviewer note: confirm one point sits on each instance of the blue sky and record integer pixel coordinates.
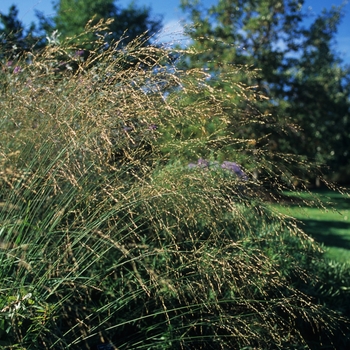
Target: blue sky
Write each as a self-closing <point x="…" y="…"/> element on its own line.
<point x="172" y="14"/>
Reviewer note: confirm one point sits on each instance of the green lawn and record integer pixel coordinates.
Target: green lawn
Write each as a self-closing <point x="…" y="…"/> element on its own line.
<point x="329" y="226"/>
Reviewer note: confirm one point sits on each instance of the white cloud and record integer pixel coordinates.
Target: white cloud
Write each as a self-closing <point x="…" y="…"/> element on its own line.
<point x="173" y="33"/>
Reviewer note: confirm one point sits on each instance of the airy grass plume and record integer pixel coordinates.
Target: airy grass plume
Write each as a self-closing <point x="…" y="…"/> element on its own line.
<point x="107" y="236"/>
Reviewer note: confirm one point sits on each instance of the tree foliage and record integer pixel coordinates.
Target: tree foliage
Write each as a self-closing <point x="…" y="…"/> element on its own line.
<point x="318" y="90"/>
<point x="298" y="68"/>
<point x="72" y="17"/>
<point x="14" y="37"/>
<point x="70" y="20"/>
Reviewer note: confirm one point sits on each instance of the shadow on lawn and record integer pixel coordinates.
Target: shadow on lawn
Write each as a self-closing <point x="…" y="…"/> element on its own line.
<point x="330" y="199"/>
<point x="326" y="232"/>
<point x="340" y="203"/>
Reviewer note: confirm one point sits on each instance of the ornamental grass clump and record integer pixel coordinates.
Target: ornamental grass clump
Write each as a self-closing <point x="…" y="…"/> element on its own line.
<point x="106" y="235"/>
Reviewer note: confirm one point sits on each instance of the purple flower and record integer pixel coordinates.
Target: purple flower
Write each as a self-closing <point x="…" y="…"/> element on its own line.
<point x="226" y="165"/>
<point x="235" y="168"/>
<point x="203" y="163"/>
<point x="9" y="63"/>
<point x="153" y="127"/>
<point x="17" y="69"/>
<point x="79" y="53"/>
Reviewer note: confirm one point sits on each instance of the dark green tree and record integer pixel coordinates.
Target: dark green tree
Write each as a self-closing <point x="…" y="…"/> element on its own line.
<point x="270" y="36"/>
<point x="72" y="17"/>
<point x="14" y="37"/>
<point x="318" y="91"/>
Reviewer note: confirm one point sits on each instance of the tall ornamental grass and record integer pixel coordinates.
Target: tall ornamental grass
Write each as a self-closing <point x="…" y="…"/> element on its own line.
<point x="107" y="236"/>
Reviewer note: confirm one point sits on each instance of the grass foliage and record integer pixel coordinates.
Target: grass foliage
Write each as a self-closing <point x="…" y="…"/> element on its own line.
<point x="106" y="236"/>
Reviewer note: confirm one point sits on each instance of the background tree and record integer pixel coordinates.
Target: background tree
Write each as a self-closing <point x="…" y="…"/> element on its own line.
<point x="14" y="38"/>
<point x="72" y="16"/>
<point x="269" y="35"/>
<point x="318" y="89"/>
